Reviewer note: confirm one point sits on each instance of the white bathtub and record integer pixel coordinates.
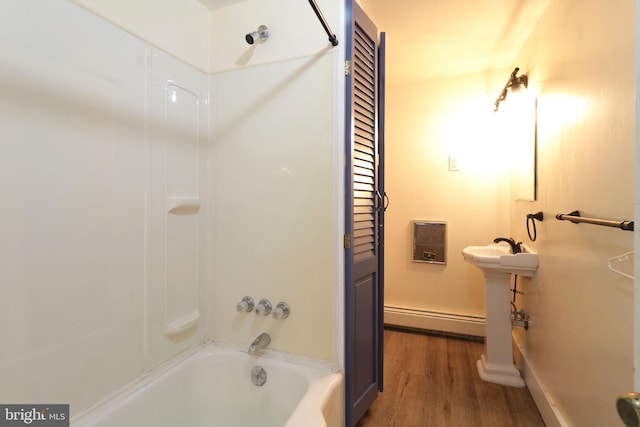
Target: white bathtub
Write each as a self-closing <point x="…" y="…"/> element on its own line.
<point x="213" y="388"/>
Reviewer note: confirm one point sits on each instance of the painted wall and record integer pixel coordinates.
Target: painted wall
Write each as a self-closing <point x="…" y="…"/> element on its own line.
<point x="580" y="343"/>
<point x="427" y="122"/>
<point x="636" y="313"/>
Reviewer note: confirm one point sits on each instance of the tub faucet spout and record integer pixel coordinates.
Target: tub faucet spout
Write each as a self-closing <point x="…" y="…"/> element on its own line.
<point x="260" y="343"/>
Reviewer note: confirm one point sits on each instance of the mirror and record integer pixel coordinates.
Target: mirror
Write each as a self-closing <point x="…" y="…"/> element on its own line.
<point x="523" y="166"/>
<point x="519" y="120"/>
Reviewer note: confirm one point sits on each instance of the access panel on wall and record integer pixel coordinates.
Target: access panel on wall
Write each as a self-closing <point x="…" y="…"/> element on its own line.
<point x="430" y="242"/>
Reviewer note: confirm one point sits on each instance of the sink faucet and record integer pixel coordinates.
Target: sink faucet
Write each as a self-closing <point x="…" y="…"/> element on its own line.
<point x="260" y="343"/>
<point x="515" y="247"/>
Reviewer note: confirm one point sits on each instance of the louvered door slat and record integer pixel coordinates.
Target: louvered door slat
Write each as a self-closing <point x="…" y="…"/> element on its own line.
<point x="360" y="163"/>
<point x="364" y="171"/>
<point x="363" y="116"/>
<point x="364" y="129"/>
<point x="364" y="112"/>
<point x="364" y="145"/>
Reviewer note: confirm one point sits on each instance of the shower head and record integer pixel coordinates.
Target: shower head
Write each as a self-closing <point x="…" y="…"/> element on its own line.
<point x="261" y="35"/>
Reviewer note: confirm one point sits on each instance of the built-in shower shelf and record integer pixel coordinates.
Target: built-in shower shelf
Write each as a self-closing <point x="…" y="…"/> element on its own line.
<point x="184" y="323"/>
<point x="183" y="205"/>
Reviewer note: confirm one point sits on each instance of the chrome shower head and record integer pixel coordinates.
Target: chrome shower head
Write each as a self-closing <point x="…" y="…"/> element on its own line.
<point x="260" y="35"/>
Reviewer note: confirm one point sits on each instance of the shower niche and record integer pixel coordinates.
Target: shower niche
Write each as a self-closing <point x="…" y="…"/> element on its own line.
<point x="429" y="242"/>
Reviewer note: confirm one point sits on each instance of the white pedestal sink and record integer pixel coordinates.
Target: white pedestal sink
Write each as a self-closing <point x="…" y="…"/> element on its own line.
<point x="498" y="263"/>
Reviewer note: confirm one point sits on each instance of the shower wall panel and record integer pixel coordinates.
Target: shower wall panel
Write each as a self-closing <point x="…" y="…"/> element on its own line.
<point x="276" y="214"/>
<point x="101" y="220"/>
<point x="72" y="156"/>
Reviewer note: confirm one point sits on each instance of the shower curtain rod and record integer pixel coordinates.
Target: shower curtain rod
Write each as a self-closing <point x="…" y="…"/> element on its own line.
<point x="576" y="218"/>
<point x="332" y="37"/>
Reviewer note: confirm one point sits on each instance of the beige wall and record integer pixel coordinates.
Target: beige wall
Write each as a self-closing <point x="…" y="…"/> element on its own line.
<point x="426" y="123"/>
<point x="580" y="344"/>
<point x="636" y="323"/>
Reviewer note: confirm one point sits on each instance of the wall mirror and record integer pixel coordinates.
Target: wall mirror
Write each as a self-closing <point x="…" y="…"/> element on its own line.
<point x="519" y="119"/>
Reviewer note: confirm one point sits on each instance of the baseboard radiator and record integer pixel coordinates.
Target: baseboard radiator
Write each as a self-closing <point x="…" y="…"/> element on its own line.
<point x="454" y="323"/>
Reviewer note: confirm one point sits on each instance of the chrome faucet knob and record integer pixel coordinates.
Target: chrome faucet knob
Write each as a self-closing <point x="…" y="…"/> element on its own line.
<point x="264" y="307"/>
<point x="246" y="305"/>
<point x="282" y="311"/>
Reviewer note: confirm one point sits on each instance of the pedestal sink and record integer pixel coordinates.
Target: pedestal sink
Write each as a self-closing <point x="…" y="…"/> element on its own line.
<point x="498" y="264"/>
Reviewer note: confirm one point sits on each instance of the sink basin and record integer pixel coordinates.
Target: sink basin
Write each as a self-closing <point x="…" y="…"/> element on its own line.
<point x="498" y="258"/>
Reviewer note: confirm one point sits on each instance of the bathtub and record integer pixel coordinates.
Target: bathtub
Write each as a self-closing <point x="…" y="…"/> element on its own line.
<point x="213" y="387"/>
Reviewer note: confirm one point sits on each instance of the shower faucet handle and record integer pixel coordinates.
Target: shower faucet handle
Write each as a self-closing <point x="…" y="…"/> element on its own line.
<point x="282" y="311"/>
<point x="264" y="307"/>
<point x="246" y="305"/>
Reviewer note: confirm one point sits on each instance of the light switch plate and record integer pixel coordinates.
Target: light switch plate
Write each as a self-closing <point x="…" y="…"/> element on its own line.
<point x="453" y="164"/>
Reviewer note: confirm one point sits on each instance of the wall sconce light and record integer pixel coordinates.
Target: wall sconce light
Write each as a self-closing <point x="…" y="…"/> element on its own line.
<point x="515" y="83"/>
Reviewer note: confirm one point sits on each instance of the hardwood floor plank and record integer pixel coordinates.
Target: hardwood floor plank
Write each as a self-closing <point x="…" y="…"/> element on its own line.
<point x="432" y="381"/>
<point x="462" y="393"/>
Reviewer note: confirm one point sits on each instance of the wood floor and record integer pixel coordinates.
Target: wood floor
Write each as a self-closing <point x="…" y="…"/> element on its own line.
<point x="431" y="380"/>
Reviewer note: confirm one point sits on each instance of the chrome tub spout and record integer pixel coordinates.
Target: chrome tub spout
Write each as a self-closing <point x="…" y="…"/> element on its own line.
<point x="260" y="343"/>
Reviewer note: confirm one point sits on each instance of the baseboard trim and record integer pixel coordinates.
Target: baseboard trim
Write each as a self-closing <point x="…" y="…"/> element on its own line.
<point x="546" y="406"/>
<point x="462" y="324"/>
